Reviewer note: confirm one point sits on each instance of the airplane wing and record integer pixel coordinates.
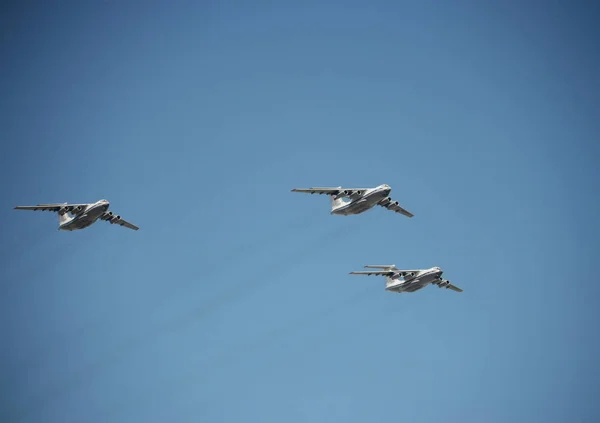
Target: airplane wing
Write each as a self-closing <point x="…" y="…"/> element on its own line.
<point x="374" y="272"/>
<point x="389" y="272"/>
<point x="454" y="288"/>
<point x="329" y="190"/>
<point x="394" y="206"/>
<point x="117" y="220"/>
<point x="52" y="207"/>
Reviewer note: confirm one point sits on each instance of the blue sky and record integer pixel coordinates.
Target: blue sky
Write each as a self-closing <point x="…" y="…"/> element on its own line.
<point x="233" y="301"/>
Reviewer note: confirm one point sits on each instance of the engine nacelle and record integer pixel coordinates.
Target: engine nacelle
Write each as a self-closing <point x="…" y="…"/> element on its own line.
<point x="442" y="284"/>
<point x="115" y="219"/>
<point x="410" y="275"/>
<point x="63" y="211"/>
<point x="342" y="194"/>
<point x="77" y="209"/>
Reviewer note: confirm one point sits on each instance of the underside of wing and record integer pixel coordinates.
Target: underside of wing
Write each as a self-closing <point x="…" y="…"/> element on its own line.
<point x="319" y="190"/>
<point x="52" y="207"/>
<point x="128" y="225"/>
<point x="447" y="285"/>
<point x="115" y="219"/>
<point x="331" y="190"/>
<point x="454" y="288"/>
<point x="408" y="273"/>
<point x="374" y="272"/>
<point x="395" y="207"/>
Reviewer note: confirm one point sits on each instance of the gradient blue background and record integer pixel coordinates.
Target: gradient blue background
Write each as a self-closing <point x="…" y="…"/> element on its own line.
<point x="233" y="301"/>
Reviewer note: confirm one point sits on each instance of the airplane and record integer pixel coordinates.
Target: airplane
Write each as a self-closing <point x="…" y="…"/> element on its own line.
<point x="360" y="199"/>
<point x="72" y="217"/>
<point x="412" y="280"/>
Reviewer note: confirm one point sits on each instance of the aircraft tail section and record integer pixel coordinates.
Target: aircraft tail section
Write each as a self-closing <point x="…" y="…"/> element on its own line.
<point x="380" y="266"/>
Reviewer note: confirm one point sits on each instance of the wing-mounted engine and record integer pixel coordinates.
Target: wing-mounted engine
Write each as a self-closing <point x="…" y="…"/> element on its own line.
<point x="110" y="217"/>
<point x="387" y="203"/>
<point x="70" y="209"/>
<point x="115" y="219"/>
<point x="403" y="275"/>
<point x="342" y="194"/>
<point x="394" y="206"/>
<point x="443" y="284"/>
<point x="347" y="193"/>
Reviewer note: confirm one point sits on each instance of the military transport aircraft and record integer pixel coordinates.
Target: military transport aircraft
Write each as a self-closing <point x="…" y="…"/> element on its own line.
<point x="79" y="216"/>
<point x="412" y="280"/>
<point x="360" y="199"/>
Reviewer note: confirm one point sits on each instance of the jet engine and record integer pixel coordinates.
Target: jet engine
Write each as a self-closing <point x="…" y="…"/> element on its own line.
<point x="386" y="201"/>
<point x="115" y="219"/>
<point x="77" y="209"/>
<point x="63" y="211"/>
<point x="442" y="284"/>
<point x="410" y="275"/>
<point x="345" y="193"/>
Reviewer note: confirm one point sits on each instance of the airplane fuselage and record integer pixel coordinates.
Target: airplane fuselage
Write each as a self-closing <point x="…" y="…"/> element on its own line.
<point x="86" y="217"/>
<point x="416" y="282"/>
<point x="363" y="202"/>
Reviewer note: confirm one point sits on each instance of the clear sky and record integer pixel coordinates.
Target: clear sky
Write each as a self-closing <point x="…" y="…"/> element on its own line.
<point x="233" y="301"/>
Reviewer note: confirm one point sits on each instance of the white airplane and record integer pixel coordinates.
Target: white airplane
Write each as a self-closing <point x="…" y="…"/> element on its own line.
<point x="361" y="199"/>
<point x="72" y="217"/>
<point x="412" y="280"/>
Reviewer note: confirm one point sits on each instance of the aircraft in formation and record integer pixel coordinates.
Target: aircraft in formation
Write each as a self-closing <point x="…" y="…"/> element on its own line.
<point x="72" y="217"/>
<point x="405" y="280"/>
<point x="359" y="199"/>
<point x="79" y="216"/>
